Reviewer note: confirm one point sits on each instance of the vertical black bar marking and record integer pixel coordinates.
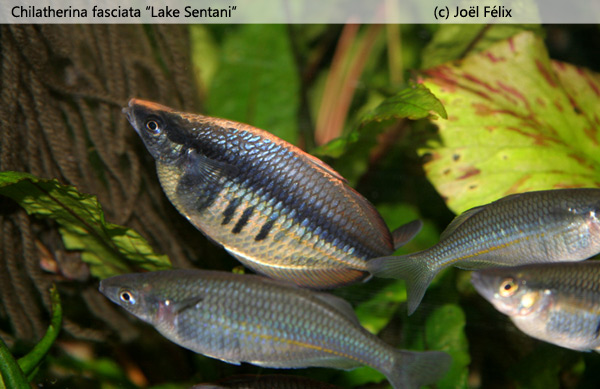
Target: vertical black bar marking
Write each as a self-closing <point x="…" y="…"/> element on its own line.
<point x="243" y="220"/>
<point x="265" y="229"/>
<point x="230" y="210"/>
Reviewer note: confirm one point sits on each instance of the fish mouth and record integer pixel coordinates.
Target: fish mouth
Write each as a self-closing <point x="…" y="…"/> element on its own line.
<point x="106" y="289"/>
<point x="110" y="290"/>
<point x="128" y="111"/>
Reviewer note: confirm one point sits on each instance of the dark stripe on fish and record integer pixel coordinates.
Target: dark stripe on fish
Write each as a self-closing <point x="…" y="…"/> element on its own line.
<point x="195" y="193"/>
<point x="230" y="210"/>
<point x="241" y="223"/>
<point x="265" y="229"/>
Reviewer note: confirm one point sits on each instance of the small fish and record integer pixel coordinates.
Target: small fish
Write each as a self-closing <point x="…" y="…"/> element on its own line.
<point x="533" y="227"/>
<point x="558" y="303"/>
<point x="277" y="209"/>
<point x="247" y="318"/>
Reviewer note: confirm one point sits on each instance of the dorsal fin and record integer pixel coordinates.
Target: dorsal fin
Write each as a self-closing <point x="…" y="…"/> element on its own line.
<point x="509" y="197"/>
<point x="459" y="220"/>
<point x="323" y="166"/>
<point x="405" y="233"/>
<point x="339" y="304"/>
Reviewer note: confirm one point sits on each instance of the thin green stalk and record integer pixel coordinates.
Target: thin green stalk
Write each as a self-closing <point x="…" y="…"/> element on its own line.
<point x="30" y="361"/>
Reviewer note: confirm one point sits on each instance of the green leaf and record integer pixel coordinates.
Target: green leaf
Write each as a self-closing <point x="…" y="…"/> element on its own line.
<point x="444" y="331"/>
<point x="361" y="376"/>
<point x="205" y="56"/>
<point x="351" y="151"/>
<point x="257" y="81"/>
<point x="516" y="122"/>
<point x="11" y="375"/>
<point x="414" y="102"/>
<point x="454" y="41"/>
<point x="375" y="313"/>
<point x="30" y="362"/>
<point x="109" y="249"/>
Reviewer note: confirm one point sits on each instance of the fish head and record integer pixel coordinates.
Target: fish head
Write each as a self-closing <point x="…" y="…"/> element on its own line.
<point x="592" y="218"/>
<point x="164" y="131"/>
<point x="134" y="293"/>
<point x="585" y="206"/>
<point x="508" y="291"/>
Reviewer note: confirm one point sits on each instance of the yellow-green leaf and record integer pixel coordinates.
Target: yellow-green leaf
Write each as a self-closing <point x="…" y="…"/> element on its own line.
<point x="454" y="41"/>
<point x="517" y="122"/>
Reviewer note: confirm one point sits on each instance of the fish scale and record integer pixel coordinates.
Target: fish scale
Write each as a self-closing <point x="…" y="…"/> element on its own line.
<point x="246" y="318"/>
<point x="531" y="227"/>
<point x="275" y="208"/>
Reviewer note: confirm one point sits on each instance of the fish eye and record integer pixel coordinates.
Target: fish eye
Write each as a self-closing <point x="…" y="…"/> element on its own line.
<point x="153" y="126"/>
<point x="508" y="287"/>
<point x="127" y="296"/>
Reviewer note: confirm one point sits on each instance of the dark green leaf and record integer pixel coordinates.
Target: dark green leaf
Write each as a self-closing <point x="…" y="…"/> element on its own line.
<point x="257" y="80"/>
<point x="361" y="376"/>
<point x="376" y="313"/>
<point x="414" y="102"/>
<point x="444" y="330"/>
<point x="351" y="151"/>
<point x="109" y="249"/>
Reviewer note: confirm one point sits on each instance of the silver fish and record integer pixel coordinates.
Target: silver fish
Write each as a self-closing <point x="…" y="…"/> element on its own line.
<point x="277" y="209"/>
<point x="558" y="303"/>
<point x="246" y="318"/>
<point x="532" y="227"/>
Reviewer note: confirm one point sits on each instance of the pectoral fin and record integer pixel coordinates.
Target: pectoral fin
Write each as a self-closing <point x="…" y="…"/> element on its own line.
<point x="186" y="304"/>
<point x="207" y="170"/>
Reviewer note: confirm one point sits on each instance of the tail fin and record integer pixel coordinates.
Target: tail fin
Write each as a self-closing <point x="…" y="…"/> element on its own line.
<point x="414" y="271"/>
<point x="413" y="369"/>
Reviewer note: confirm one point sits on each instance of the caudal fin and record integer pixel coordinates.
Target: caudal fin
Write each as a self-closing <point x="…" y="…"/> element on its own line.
<point x="414" y="271"/>
<point x="413" y="369"/>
